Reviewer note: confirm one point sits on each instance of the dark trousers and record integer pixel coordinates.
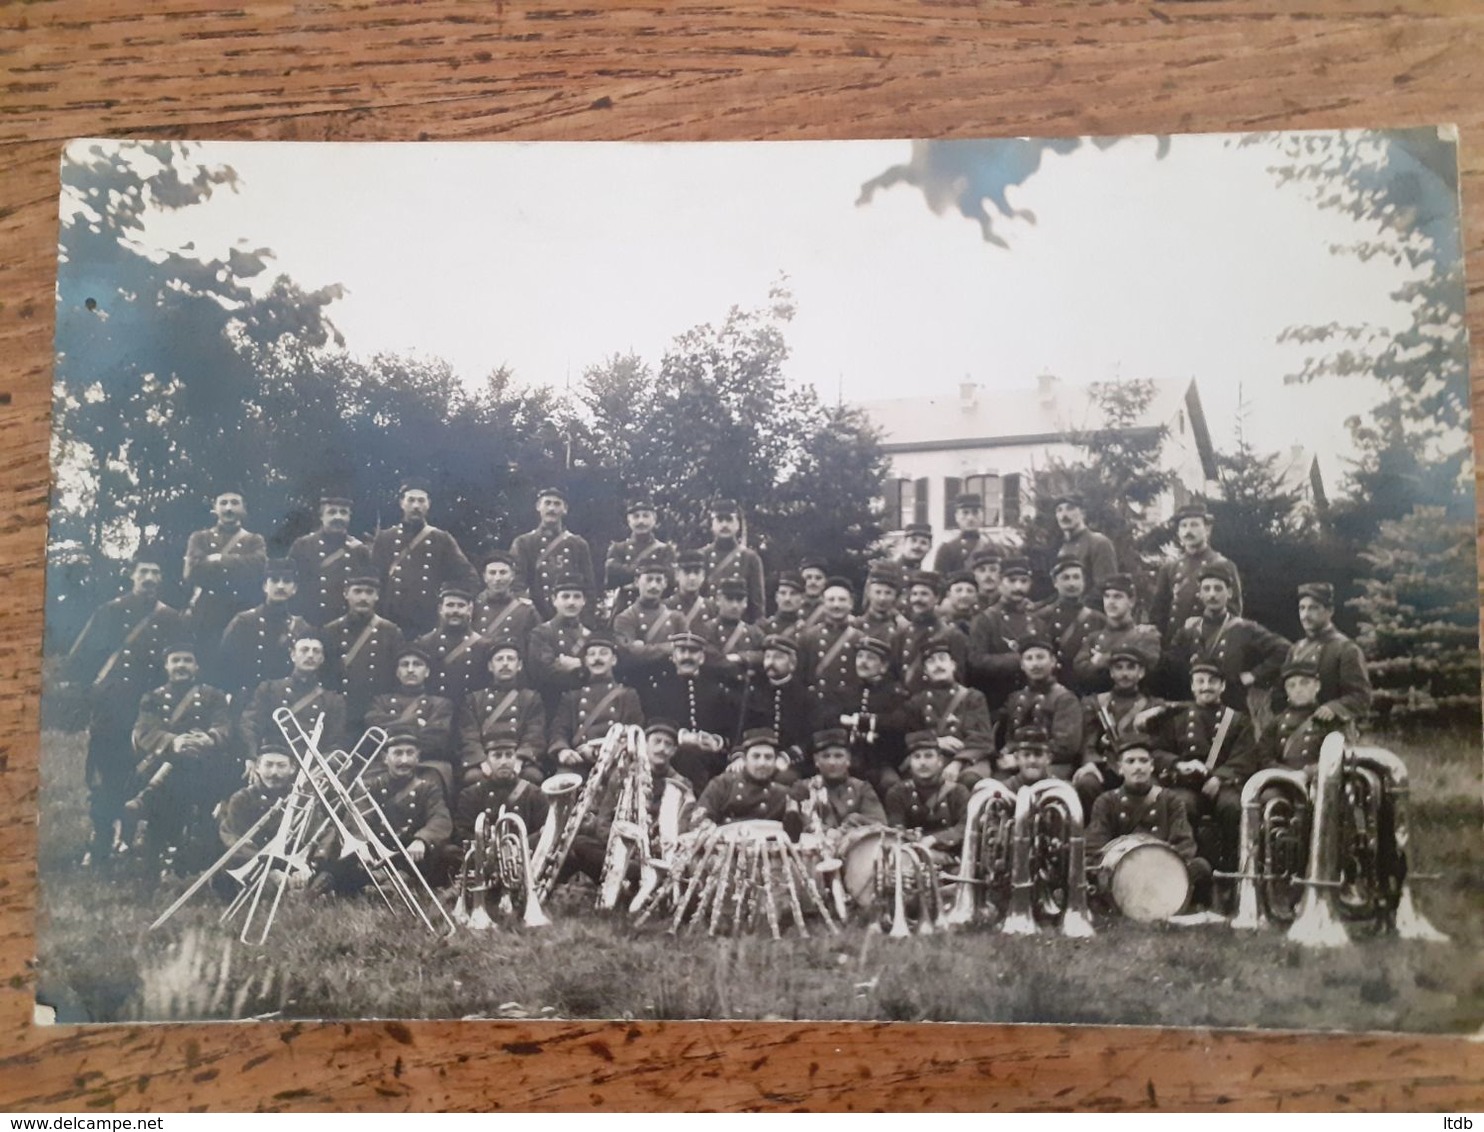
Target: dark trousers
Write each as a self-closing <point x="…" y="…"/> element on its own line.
<point x="1216" y="821"/>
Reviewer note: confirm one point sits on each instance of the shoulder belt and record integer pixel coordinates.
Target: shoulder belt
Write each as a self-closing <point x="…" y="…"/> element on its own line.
<point x="133" y="636"/>
<point x="360" y="642"/>
<point x="402" y="554"/>
<point x="659" y="623"/>
<point x="725" y="564"/>
<point x="185" y="701"/>
<point x="960" y="694"/>
<point x="551" y="547"/>
<point x="833" y="651"/>
<point x="1228" y="717"/>
<point x="596" y="711"/>
<point x="504" y="705"/>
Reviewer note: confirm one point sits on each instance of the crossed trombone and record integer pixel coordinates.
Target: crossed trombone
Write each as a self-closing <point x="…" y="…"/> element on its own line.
<point x="326" y="794"/>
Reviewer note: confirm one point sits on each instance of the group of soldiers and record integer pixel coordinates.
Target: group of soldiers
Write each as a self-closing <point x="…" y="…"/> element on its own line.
<point x="837" y="709"/>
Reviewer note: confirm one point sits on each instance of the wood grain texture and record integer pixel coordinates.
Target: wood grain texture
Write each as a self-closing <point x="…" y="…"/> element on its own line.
<point x="852" y="68"/>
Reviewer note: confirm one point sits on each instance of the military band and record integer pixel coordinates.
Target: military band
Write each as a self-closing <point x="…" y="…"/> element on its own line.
<point x="826" y="712"/>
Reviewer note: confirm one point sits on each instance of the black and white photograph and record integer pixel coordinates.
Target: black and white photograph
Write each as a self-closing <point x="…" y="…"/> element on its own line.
<point x="1023" y="580"/>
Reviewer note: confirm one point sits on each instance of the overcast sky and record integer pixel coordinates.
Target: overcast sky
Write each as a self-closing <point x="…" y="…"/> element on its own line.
<point x="550" y="257"/>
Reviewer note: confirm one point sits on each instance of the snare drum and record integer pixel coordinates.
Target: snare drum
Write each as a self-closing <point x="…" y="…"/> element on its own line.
<point x="1143" y="877"/>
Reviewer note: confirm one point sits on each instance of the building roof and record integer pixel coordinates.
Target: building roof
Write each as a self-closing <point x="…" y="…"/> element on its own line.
<point x="1043" y="413"/>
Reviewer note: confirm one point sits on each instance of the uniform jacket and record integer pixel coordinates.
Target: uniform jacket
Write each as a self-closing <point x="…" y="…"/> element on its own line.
<point x="174" y="709"/>
<point x="505" y="619"/>
<point x="1294" y="737"/>
<point x="1158" y="811"/>
<point x="1067" y="623"/>
<point x="1344" y="684"/>
<point x="934" y="808"/>
<point x="361" y="660"/>
<point x="838" y="805"/>
<point x="995" y="637"/>
<point x="733" y="797"/>
<point x="827" y="657"/>
<point x="220" y="589"/>
<point x="957" y="710"/>
<point x="733" y="562"/>
<point x="884" y="698"/>
<point x="788" y="709"/>
<point x="620" y="568"/>
<point x="1056" y="710"/>
<point x="1188" y="730"/>
<point x="243" y="809"/>
<point x="953" y="556"/>
<point x="1096" y="553"/>
<point x="916" y="634"/>
<point x="121" y="650"/>
<point x="543" y="557"/>
<point x="494" y="713"/>
<point x="430" y="714"/>
<point x="308" y="699"/>
<point x="1097" y="744"/>
<point x="255" y="646"/>
<point x="487" y="796"/>
<point x="549" y="640"/>
<point x="699" y="702"/>
<point x="738" y="639"/>
<point x="1177" y="589"/>
<point x="414" y="562"/>
<point x="642" y="633"/>
<point x="583" y="716"/>
<point x="414" y="806"/>
<point x="782" y="624"/>
<point x="326" y="561"/>
<point x="460" y="661"/>
<point x="1235" y="645"/>
<point x="1088" y="676"/>
<point x="693" y="612"/>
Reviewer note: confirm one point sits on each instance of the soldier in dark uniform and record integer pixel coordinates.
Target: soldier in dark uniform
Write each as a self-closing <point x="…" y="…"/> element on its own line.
<point x="788" y="597"/>
<point x="1067" y="622"/>
<point x="498" y="614"/>
<point x="185" y="761"/>
<point x="917" y="540"/>
<point x="303" y="694"/>
<point x="1140" y="805"/>
<point x="1295" y="736"/>
<point x="827" y="650"/>
<point x="962" y="601"/>
<point x="504" y="710"/>
<point x="1248" y="655"/>
<point x="1110" y="717"/>
<point x="957" y="714"/>
<point x="327" y="559"/>
<point x="554" y="663"/>
<point x="1095" y="551"/>
<point x="881" y="618"/>
<point x="415" y="707"/>
<point x="986" y="563"/>
<point x="458" y="654"/>
<point x="872" y="707"/>
<point x="496" y="782"/>
<point x="997" y="635"/>
<point x="585" y="714"/>
<point x="734" y="648"/>
<point x="255" y="646"/>
<point x="550" y="553"/>
<point x="705" y="711"/>
<point x="1177" y="583"/>
<point x="414" y="561"/>
<point x="831" y="800"/>
<point x="630" y="557"/>
<point x="749" y="793"/>
<point x="224" y="567"/>
<point x="643" y="629"/>
<point x="1030" y="751"/>
<point x="924" y="802"/>
<point x="412" y="800"/>
<point x="729" y="560"/>
<point x="1046" y="704"/>
<point x="692" y="606"/>
<point x="778" y="698"/>
<point x="1090" y="666"/>
<point x="815" y="574"/>
<point x="1344" y="685"/>
<point x="1205" y="752"/>
<point x="116" y="658"/>
<point x="274" y="771"/>
<point x="361" y="649"/>
<point x="953" y="556"/>
<point x="925" y="624"/>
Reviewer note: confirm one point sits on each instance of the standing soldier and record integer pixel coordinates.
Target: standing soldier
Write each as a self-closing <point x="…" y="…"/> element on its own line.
<point x="880" y="618"/>
<point x="224" y="567"/>
<point x="498" y="614"/>
<point x="457" y="652"/>
<point x="961" y="605"/>
<point x="550" y="552"/>
<point x="628" y="558"/>
<point x="986" y="564"/>
<point x="957" y="714"/>
<point x="815" y="574"/>
<point x="327" y="559"/>
<point x="1095" y="551"/>
<point x="997" y="635"/>
<point x="734" y="647"/>
<point x="1090" y="666"/>
<point x="925" y="624"/>
<point x="643" y="630"/>
<point x="917" y="540"/>
<point x="504" y="710"/>
<point x="1177" y="583"/>
<point x="415" y="708"/>
<point x="415" y="560"/>
<point x="303" y="694"/>
<point x="255" y="646"/>
<point x="1344" y="685"/>
<point x="729" y="560"/>
<point x="361" y="649"/>
<point x="555" y="653"/>
<point x="827" y="650"/>
<point x="1249" y="656"/>
<point x="116" y="657"/>
<point x="688" y="601"/>
<point x="1067" y="622"/>
<point x="953" y="556"/>
<point x="585" y="714"/>
<point x="788" y="618"/>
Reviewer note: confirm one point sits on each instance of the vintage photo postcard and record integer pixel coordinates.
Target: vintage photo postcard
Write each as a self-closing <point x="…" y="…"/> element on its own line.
<point x="1021" y="580"/>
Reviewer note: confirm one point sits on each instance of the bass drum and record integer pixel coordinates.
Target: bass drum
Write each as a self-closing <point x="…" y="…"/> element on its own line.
<point x="1143" y="877"/>
<point x="859" y="851"/>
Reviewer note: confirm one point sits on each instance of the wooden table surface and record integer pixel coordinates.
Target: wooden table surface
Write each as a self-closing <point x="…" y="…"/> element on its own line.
<point x="516" y="69"/>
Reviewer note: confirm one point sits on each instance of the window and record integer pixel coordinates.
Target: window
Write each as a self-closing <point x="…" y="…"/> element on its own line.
<point x="987" y="488"/>
<point x="906" y="502"/>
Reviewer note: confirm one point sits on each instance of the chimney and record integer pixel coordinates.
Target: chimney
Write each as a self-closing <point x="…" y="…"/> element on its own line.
<point x="968" y="394"/>
<point x="1046" y="387"/>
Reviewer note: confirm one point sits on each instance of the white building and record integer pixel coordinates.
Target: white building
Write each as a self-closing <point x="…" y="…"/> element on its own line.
<point x="994" y="442"/>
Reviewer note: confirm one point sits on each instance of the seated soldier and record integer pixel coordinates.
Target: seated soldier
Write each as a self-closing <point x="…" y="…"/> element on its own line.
<point x="1108" y="717"/>
<point x="957" y="714"/>
<point x="750" y="792"/>
<point x="925" y="803"/>
<point x="411" y="799"/>
<point x="1046" y="704"/>
<point x="1140" y="805"/>
<point x="584" y="715"/>
<point x="274" y="771"/>
<point x="671" y="802"/>
<point x="832" y="801"/>
<point x="778" y="697"/>
<point x="493" y="784"/>
<point x="1032" y="756"/>
<point x="505" y="710"/>
<point x="705" y="712"/>
<point x="186" y="765"/>
<point x="1294" y="737"/>
<point x="872" y="707"/>
<point x="1206" y="752"/>
<point x="413" y="705"/>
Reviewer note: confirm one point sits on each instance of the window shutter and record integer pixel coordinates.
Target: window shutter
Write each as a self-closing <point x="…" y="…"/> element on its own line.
<point x="920" y="501"/>
<point x="952" y="485"/>
<point x="892" y="519"/>
<point x="1010" y="501"/>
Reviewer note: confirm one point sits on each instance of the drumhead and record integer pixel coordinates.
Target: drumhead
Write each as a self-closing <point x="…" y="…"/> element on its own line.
<point x="1146" y="878"/>
<point x="859" y="849"/>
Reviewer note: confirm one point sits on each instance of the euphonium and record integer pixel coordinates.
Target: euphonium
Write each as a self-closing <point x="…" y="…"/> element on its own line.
<point x="988" y="827"/>
<point x="1272" y="849"/>
<point x="512" y="851"/>
<point x="1048" y="840"/>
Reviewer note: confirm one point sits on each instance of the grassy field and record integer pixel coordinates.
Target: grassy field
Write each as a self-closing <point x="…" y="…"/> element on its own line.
<point x="349" y="958"/>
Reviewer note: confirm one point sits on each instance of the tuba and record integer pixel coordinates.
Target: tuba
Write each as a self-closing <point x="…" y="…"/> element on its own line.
<point x="1049" y="865"/>
<point x="513" y="864"/>
<point x="988" y="851"/>
<point x="1273" y="847"/>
